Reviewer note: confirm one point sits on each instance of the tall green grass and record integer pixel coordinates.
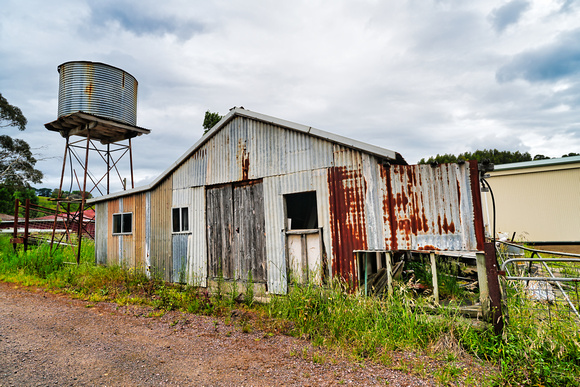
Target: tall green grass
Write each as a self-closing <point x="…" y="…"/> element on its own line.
<point x="531" y="351"/>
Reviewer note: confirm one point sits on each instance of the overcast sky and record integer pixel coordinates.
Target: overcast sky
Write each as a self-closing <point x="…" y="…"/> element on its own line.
<point x="420" y="77"/>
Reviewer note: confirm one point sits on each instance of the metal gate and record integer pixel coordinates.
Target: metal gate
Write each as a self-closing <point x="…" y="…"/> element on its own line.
<point x="548" y="280"/>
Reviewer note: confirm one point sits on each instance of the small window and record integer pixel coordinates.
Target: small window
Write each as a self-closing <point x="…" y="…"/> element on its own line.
<point x="301" y="212"/>
<point x="180" y="219"/>
<point x="123" y="223"/>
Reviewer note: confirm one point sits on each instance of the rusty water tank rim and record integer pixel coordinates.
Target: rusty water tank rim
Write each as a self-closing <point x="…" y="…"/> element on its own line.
<point x="97" y="88"/>
<point x="94" y="63"/>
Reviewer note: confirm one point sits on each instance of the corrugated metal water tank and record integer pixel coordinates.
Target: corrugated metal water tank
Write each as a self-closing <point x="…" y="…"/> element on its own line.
<point x="98" y="89"/>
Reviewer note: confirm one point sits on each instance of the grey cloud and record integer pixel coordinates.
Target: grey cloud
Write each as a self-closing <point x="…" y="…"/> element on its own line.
<point x="490" y="141"/>
<point x="558" y="60"/>
<point x="508" y="14"/>
<point x="567" y="5"/>
<point x="135" y="18"/>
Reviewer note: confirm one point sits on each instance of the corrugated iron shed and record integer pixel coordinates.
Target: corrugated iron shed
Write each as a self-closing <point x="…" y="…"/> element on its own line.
<point x="251" y="166"/>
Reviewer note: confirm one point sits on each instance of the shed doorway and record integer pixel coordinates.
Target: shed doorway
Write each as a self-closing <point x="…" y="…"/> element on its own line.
<point x="235" y="231"/>
<point x="303" y="239"/>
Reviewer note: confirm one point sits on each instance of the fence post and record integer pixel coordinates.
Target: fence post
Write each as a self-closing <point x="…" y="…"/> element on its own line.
<point x="483" y="284"/>
<point x="26" y="218"/>
<point x="493" y="286"/>
<point x="15" y="224"/>
<point x="434" y="277"/>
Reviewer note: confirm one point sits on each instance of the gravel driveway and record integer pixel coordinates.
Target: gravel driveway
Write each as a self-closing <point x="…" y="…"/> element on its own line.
<point x="48" y="339"/>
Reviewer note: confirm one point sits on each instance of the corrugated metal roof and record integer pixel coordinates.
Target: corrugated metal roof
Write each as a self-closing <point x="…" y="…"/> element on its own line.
<point x="240" y="112"/>
<point x="538" y="163"/>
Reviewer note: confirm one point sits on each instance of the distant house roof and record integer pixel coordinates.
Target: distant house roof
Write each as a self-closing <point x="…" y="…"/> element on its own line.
<point x="538" y="163"/>
<point x="4" y="217"/>
<point x="88" y="214"/>
<point x="241" y="112"/>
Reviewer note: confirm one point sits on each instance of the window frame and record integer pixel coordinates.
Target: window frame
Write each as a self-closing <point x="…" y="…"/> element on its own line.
<point x="184" y="224"/>
<point x="122" y="216"/>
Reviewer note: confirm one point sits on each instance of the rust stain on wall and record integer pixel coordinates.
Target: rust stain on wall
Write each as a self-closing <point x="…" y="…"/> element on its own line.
<point x="347" y="219"/>
<point x="388" y="209"/>
<point x="243" y="158"/>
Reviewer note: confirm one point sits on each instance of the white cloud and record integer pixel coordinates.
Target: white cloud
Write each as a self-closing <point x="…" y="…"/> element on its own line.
<point x="418" y="77"/>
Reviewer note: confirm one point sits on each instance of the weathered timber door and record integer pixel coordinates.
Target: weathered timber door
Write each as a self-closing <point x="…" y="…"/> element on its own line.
<point x="235" y="231"/>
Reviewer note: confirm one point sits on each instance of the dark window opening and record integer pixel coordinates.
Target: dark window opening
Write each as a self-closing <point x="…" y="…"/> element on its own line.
<point x="301" y="212"/>
<point x="123" y="223"/>
<point x="180" y="219"/>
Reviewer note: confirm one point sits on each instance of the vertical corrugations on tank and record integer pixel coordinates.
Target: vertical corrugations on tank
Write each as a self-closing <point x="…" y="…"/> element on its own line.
<point x="161" y="257"/>
<point x="101" y="232"/>
<point x="112" y="240"/>
<point x="274" y="190"/>
<point x="99" y="89"/>
<point x="347" y="189"/>
<point x="197" y="240"/>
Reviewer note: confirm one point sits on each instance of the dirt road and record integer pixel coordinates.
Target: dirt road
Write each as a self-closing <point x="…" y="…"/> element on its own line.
<point x="48" y="339"/>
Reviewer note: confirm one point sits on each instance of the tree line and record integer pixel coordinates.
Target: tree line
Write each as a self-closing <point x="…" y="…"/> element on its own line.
<point x="493" y="155"/>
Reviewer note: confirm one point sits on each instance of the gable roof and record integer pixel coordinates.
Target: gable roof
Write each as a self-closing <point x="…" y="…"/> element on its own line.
<point x="241" y="112"/>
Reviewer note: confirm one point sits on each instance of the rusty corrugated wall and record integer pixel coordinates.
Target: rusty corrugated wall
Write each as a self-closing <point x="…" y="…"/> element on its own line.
<point x="422" y="207"/>
<point x="430" y="208"/>
<point x="347" y="187"/>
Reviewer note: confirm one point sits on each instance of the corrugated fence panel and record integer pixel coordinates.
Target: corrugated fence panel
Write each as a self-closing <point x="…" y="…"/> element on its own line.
<point x="274" y="190"/>
<point x="197" y="241"/>
<point x="101" y="232"/>
<point x="429" y="208"/>
<point x="161" y="249"/>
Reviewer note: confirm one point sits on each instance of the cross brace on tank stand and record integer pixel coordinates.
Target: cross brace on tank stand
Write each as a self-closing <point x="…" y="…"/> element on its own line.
<point x="116" y="136"/>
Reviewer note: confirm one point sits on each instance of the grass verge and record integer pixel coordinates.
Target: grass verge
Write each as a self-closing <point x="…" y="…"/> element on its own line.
<point x="530" y="352"/>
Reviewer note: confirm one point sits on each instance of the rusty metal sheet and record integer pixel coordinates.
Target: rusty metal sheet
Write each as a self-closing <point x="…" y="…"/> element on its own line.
<point x="347" y="187"/>
<point x="432" y="207"/>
